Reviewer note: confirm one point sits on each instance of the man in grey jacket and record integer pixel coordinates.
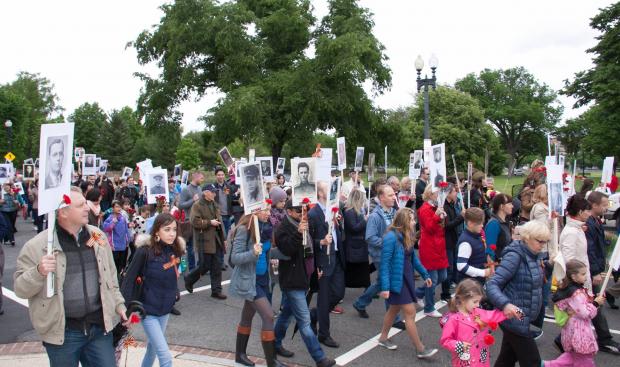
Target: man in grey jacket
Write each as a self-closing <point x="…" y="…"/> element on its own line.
<point x="189" y="195"/>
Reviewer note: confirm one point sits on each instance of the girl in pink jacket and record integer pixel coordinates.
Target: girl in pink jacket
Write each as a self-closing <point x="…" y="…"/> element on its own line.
<point x="467" y="329"/>
<point x="578" y="338"/>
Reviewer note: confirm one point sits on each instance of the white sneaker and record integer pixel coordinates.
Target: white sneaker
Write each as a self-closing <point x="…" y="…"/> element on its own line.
<point x="435" y="313"/>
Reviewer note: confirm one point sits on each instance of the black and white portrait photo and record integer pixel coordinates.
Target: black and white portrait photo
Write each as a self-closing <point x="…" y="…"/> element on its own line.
<point x="371" y="167"/>
<point x="226" y="157"/>
<point x="5" y="171"/>
<point x="359" y="159"/>
<point x="176" y="174"/>
<point x="252" y="187"/>
<point x="556" y="201"/>
<point x="342" y="153"/>
<point x="266" y="168"/>
<point x="28" y="172"/>
<point x="280" y="165"/>
<point x="303" y="180"/>
<point x="55" y="156"/>
<point x="127" y="171"/>
<point x="78" y="153"/>
<point x="103" y="166"/>
<point x="55" y="159"/>
<point x="184" y="177"/>
<point x="156" y="184"/>
<point x="438" y="164"/>
<point x="97" y="163"/>
<point x="88" y="165"/>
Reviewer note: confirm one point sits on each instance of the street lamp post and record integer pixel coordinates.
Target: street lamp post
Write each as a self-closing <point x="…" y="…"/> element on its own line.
<point x="426" y="82"/>
<point x="9" y="133"/>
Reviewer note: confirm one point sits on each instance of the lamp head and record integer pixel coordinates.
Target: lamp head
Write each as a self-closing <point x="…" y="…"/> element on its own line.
<point x="433" y="62"/>
<point x="419" y="63"/>
<point x="8" y="123"/>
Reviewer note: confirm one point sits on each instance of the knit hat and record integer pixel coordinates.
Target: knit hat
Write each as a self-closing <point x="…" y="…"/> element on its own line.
<point x="277" y="195"/>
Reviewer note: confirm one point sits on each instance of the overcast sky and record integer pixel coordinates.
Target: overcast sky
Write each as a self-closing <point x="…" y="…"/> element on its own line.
<point x="80" y="45"/>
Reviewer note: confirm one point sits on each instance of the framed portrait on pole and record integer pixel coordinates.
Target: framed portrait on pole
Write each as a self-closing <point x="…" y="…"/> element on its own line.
<point x="55" y="163"/>
<point x="303" y="180"/>
<point x="280" y="165"/>
<point x="371" y="167"/>
<point x="438" y="164"/>
<point x="359" y="159"/>
<point x="252" y="187"/>
<point x="266" y="168"/>
<point x="28" y="172"/>
<point x="127" y="171"/>
<point x="103" y="166"/>
<point x="156" y="185"/>
<point x="226" y="157"/>
<point x="342" y="153"/>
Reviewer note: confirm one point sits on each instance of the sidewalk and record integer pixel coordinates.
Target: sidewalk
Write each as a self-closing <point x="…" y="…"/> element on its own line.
<point x="32" y="354"/>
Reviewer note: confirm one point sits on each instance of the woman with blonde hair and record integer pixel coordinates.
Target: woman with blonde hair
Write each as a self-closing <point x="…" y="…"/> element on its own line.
<point x="398" y="262"/>
<point x="357" y="274"/>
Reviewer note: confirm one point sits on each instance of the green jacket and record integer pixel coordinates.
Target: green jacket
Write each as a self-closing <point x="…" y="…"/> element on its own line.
<point x="48" y="314"/>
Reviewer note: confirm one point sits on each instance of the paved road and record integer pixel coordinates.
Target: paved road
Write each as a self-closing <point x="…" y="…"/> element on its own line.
<point x="208" y="323"/>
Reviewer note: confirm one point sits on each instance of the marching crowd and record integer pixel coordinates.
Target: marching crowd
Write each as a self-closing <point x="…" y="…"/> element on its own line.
<point x="491" y="255"/>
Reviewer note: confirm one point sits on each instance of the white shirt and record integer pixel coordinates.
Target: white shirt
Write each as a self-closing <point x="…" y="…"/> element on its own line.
<point x="348" y="186"/>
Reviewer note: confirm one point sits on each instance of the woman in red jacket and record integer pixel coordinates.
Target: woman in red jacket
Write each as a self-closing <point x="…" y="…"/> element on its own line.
<point x="432" y="247"/>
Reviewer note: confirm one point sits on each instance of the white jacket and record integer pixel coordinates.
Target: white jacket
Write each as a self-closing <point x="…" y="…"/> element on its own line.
<point x="573" y="245"/>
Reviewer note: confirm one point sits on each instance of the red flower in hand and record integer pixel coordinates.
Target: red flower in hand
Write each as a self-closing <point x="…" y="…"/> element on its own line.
<point x="305" y="201"/>
<point x="269" y="201"/>
<point x="493" y="247"/>
<point x="443" y="184"/>
<point x="134" y="319"/>
<point x="139" y="280"/>
<point x="66" y="199"/>
<point x="489" y="339"/>
<point x="493" y="325"/>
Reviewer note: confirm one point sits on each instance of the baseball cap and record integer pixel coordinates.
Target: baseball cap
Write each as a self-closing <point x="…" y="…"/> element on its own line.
<point x="209" y="187"/>
<point x="289" y="205"/>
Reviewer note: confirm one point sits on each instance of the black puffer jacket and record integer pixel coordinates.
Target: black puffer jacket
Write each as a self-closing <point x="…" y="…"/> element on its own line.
<point x="293" y="273"/>
<point x="354" y="234"/>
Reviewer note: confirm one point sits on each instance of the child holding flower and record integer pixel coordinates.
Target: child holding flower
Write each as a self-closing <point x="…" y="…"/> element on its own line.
<point x="467" y="329"/>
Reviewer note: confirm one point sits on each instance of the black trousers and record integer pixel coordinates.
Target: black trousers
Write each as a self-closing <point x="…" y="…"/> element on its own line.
<point x="516" y="348"/>
<point x="331" y="291"/>
<point x="603" y="336"/>
<point x="120" y="260"/>
<point x="211" y="263"/>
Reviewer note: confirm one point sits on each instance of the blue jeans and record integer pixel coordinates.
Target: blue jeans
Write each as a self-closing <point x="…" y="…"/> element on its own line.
<point x="366" y="298"/>
<point x="92" y="350"/>
<point x="437" y="276"/>
<point x="155" y="328"/>
<point x="294" y="304"/>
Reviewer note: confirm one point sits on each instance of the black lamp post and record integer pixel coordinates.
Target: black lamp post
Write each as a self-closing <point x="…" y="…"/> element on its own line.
<point x="9" y="133"/>
<point x="426" y="82"/>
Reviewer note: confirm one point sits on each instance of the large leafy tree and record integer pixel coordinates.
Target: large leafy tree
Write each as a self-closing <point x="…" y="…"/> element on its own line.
<point x="283" y="73"/>
<point x="188" y="154"/>
<point x="520" y="108"/>
<point x="13" y="107"/>
<point x="89" y="120"/>
<point x="600" y="85"/>
<point x="116" y="142"/>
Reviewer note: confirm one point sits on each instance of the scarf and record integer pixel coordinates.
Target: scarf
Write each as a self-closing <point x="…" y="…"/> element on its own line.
<point x="95" y="208"/>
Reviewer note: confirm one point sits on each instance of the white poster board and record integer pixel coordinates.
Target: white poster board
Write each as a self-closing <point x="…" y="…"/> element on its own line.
<point x="438" y="164"/>
<point x="324" y="165"/>
<point x="303" y="180"/>
<point x="55" y="163"/>
<point x="143" y="167"/>
<point x="89" y="165"/>
<point x="252" y="187"/>
<point x="608" y="167"/>
<point x="251" y="155"/>
<point x="415" y="164"/>
<point x="280" y="165"/>
<point x="333" y="197"/>
<point x="371" y="167"/>
<point x="550" y="160"/>
<point x="103" y="166"/>
<point x="266" y="168"/>
<point x="176" y="173"/>
<point x="156" y="184"/>
<point x="28" y="172"/>
<point x="342" y="153"/>
<point x="184" y="177"/>
<point x="127" y="171"/>
<point x="555" y="189"/>
<point x="359" y="159"/>
<point x="226" y="157"/>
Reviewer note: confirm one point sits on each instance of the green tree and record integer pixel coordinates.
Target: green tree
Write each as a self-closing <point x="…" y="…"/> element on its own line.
<point x="13" y="107"/>
<point x="600" y="85"/>
<point x="188" y="154"/>
<point x="89" y="120"/>
<point x="116" y="143"/>
<point x="259" y="54"/>
<point x="520" y="109"/>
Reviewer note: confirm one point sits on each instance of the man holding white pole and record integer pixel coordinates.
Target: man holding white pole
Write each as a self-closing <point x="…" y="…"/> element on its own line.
<point x="75" y="323"/>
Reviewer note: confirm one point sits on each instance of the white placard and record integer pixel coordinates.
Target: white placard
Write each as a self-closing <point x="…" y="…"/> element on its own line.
<point x="28" y="172"/>
<point x="303" y="173"/>
<point x="103" y="166"/>
<point x="176" y="173"/>
<point x="280" y="165"/>
<point x="252" y="187"/>
<point x="555" y="189"/>
<point x="143" y="167"/>
<point x="127" y="171"/>
<point x="359" y="159"/>
<point x="371" y="167"/>
<point x="184" y="177"/>
<point x="438" y="164"/>
<point x="89" y="167"/>
<point x="550" y="160"/>
<point x="226" y="157"/>
<point x="252" y="155"/>
<point x="342" y="153"/>
<point x="608" y="167"/>
<point x="55" y="163"/>
<point x="324" y="165"/>
<point x="156" y="184"/>
<point x="266" y="168"/>
<point x="415" y="164"/>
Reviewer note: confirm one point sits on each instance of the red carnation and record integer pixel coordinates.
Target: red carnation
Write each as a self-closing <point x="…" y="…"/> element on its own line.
<point x="305" y="201"/>
<point x="567" y="189"/>
<point x="443" y="184"/>
<point x="493" y="247"/>
<point x="139" y="280"/>
<point x="489" y="339"/>
<point x="134" y="319"/>
<point x="66" y="199"/>
<point x="268" y="201"/>
<point x="335" y="209"/>
<point x="493" y="325"/>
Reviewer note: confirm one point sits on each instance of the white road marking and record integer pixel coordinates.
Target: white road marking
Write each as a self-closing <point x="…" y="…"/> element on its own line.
<point x="203" y="288"/>
<point x="12" y="296"/>
<point x="371" y="343"/>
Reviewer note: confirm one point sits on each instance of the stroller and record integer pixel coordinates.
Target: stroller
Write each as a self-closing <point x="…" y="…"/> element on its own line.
<point x="122" y="338"/>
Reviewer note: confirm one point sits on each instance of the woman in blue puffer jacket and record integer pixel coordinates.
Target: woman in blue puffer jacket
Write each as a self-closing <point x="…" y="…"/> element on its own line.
<point x="516" y="288"/>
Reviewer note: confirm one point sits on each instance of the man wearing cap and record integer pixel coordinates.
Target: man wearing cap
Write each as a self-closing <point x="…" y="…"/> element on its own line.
<point x="208" y="240"/>
<point x="158" y="185"/>
<point x="294" y="282"/>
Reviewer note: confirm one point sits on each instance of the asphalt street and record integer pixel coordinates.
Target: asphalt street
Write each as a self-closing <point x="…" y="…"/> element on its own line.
<point x="209" y="323"/>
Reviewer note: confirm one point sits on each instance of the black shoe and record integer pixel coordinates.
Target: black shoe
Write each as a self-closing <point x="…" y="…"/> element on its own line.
<point x="558" y="345"/>
<point x="611" y="300"/>
<point x="218" y="295"/>
<point x="329" y="342"/>
<point x="13" y="243"/>
<point x="188" y="285"/>
<point x="361" y="312"/>
<point x="612" y="348"/>
<point x="175" y="311"/>
<point x="281" y="351"/>
<point x="326" y="362"/>
<point x="399" y="325"/>
<point x="269" y="347"/>
<point x="240" y="350"/>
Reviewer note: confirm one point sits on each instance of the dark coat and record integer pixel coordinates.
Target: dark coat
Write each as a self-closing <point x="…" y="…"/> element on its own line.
<point x="453" y="221"/>
<point x="207" y="238"/>
<point x="293" y="271"/>
<point x="420" y="186"/>
<point x="354" y="233"/>
<point x="318" y="229"/>
<point x="518" y="280"/>
<point x="595" y="235"/>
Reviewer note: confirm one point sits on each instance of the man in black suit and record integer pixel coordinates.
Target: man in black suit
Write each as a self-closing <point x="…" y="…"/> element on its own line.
<point x="329" y="260"/>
